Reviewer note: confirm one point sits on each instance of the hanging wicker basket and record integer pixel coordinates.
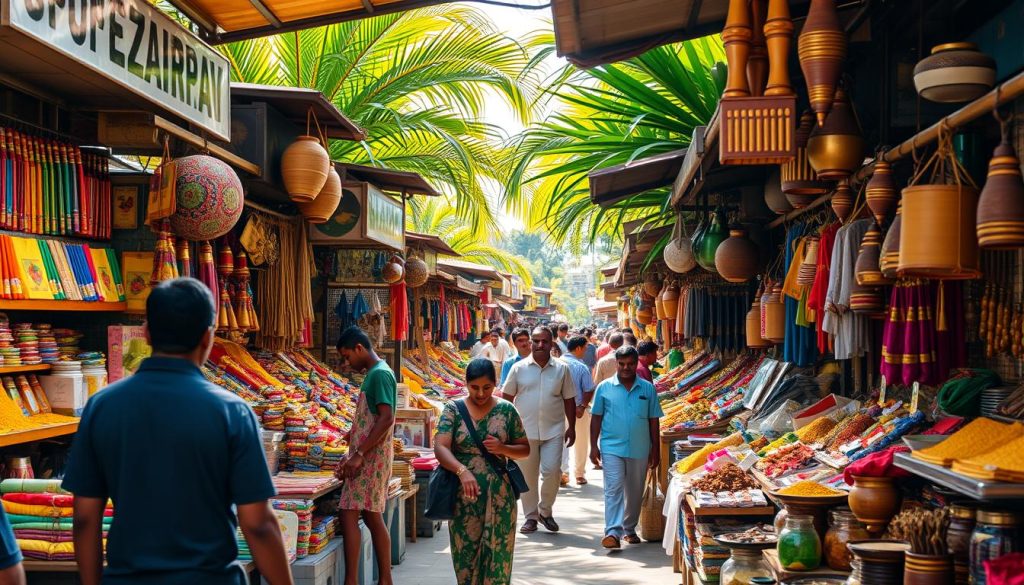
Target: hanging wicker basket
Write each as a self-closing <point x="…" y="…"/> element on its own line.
<point x="416" y="272"/>
<point x="322" y="208"/>
<point x="678" y="252"/>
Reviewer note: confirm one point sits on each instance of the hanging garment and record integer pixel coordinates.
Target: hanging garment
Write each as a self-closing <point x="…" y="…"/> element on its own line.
<point x="341" y="310"/>
<point x="800" y="346"/>
<point x="399" y="312"/>
<point x="816" y="297"/>
<point x="359" y="307"/>
<point x="851" y="331"/>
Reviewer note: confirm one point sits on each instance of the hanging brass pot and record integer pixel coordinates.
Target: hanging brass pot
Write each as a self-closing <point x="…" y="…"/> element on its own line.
<point x="1001" y="205"/>
<point x="880" y="192"/>
<point x="867" y="269"/>
<point x="890" y="253"/>
<point x="736" y="258"/>
<point x="836" y="148"/>
<point x="842" y="201"/>
<point x="713" y="237"/>
<point x="821" y="48"/>
<point x="954" y="72"/>
<point x="800" y="183"/>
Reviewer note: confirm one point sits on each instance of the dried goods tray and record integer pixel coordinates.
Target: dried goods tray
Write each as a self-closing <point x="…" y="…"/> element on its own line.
<point x="978" y="489"/>
<point x="768" y="510"/>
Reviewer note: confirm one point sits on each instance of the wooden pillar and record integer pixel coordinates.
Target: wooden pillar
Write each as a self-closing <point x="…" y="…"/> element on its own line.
<point x="736" y="36"/>
<point x="757" y="66"/>
<point x="778" y="31"/>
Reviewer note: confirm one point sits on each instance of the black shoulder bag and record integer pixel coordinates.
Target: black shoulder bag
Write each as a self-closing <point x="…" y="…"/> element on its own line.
<point x="510" y="469"/>
<point x="443" y="491"/>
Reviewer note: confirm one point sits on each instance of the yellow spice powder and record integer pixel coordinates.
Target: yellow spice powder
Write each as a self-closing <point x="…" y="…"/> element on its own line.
<point x="698" y="458"/>
<point x="1008" y="457"/>
<point x="816" y="430"/>
<point x="979" y="436"/>
<point x="809" y="488"/>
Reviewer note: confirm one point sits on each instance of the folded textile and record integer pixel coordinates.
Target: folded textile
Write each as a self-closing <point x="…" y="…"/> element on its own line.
<point x="43" y="556"/>
<point x="32" y="486"/>
<point x="44" y="511"/>
<point x="44" y="535"/>
<point x="58" y="500"/>
<point x="50" y="548"/>
<point x="40" y="523"/>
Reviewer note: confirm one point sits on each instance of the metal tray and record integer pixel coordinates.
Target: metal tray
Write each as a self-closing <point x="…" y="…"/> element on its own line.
<point x="978" y="489"/>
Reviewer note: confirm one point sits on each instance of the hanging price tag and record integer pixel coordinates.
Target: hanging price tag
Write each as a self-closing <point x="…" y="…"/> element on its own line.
<point x="881" y="393"/>
<point x="914" y="396"/>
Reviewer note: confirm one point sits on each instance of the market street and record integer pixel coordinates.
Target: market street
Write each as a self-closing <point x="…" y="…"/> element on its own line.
<point x="572" y="557"/>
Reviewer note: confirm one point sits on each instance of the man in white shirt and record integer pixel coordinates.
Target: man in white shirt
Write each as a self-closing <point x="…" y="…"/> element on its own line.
<point x="493" y="352"/>
<point x="545" y="395"/>
<point x="607" y="366"/>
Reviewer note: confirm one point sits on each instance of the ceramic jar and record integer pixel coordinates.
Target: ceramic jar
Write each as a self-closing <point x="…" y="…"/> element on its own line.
<point x="868" y="270"/>
<point x="928" y="570"/>
<point x="874" y="501"/>
<point x="322" y="208"/>
<point x="953" y="73"/>
<point x="713" y="237"/>
<point x="304" y="168"/>
<point x="843" y="527"/>
<point x="880" y="192"/>
<point x="836" y="148"/>
<point x="800" y="183"/>
<point x="736" y="258"/>
<point x="842" y="201"/>
<point x="799" y="544"/>
<point x="958" y="540"/>
<point x="821" y="48"/>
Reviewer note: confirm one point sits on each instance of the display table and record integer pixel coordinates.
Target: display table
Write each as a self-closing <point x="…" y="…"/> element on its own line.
<point x="771" y="556"/>
<point x="691" y="514"/>
<point x="409" y="497"/>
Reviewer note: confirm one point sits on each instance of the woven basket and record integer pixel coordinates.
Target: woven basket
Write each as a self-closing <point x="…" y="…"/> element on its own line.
<point x="416" y="272"/>
<point x="652" y="522"/>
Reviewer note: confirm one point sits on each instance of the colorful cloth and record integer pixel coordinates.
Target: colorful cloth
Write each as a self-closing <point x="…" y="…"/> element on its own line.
<point x="41" y="499"/>
<point x="36" y="510"/>
<point x="32" y="486"/>
<point x="369" y="489"/>
<point x="482" y="533"/>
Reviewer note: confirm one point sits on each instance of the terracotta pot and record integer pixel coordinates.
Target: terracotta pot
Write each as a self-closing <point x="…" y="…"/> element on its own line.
<point x="416" y="272"/>
<point x="304" y="168"/>
<point x="954" y="72"/>
<point x="670" y="300"/>
<point x="736" y="258"/>
<point x="868" y="270"/>
<point x="842" y="201"/>
<point x="713" y="237"/>
<point x="652" y="285"/>
<point x="836" y="148"/>
<point x="880" y="192"/>
<point x="1001" y="204"/>
<point x="821" y="48"/>
<point x="800" y="183"/>
<point x="774" y="198"/>
<point x="889" y="258"/>
<point x="928" y="570"/>
<point x="753" y="327"/>
<point x="938" y="232"/>
<point x="644" y="316"/>
<point x="773" y="315"/>
<point x="322" y="208"/>
<point x="874" y="501"/>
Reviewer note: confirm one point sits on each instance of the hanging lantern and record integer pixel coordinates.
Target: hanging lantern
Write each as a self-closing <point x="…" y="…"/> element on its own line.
<point x="713" y="237"/>
<point x="867" y="269"/>
<point x="393" y="271"/>
<point x="836" y="148"/>
<point x="809" y="267"/>
<point x="670" y="300"/>
<point x="842" y="201"/>
<point x="954" y="72"/>
<point x="1001" y="205"/>
<point x="322" y="208"/>
<point x="821" y="48"/>
<point x="890" y="253"/>
<point x="774" y="198"/>
<point x="416" y="272"/>
<point x="773" y="315"/>
<point x="736" y="258"/>
<point x="652" y="284"/>
<point x="209" y="198"/>
<point x="800" y="183"/>
<point x="880" y="192"/>
<point x="305" y="165"/>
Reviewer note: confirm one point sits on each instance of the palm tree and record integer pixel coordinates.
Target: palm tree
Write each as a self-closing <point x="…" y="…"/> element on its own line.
<point x="438" y="218"/>
<point x="416" y="81"/>
<point x="610" y="115"/>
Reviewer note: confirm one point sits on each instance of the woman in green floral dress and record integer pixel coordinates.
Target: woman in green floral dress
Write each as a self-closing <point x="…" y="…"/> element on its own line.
<point x="483" y="531"/>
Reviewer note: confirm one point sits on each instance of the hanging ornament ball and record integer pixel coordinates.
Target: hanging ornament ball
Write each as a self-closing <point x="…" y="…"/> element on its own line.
<point x="678" y="255"/>
<point x="209" y="198"/>
<point x="393" y="271"/>
<point x="415" y="272"/>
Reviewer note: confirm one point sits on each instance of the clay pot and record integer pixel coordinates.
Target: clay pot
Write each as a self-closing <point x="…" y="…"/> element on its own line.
<point x="889" y="257"/>
<point x="652" y="285"/>
<point x="644" y="316"/>
<point x="953" y="73"/>
<point x="416" y="272"/>
<point x="836" y="148"/>
<point x="928" y="569"/>
<point x="304" y="168"/>
<point x="1001" y="204"/>
<point x="880" y="192"/>
<point x="874" y="501"/>
<point x="938" y="233"/>
<point x="713" y="237"/>
<point x="322" y="208"/>
<point x="821" y="48"/>
<point x="736" y="258"/>
<point x="670" y="300"/>
<point x="800" y="183"/>
<point x="773" y="315"/>
<point x="774" y="198"/>
<point x="753" y="327"/>
<point x="868" y="270"/>
<point x="842" y="201"/>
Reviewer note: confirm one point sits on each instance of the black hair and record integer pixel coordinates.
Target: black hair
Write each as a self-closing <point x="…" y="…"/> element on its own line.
<point x="519" y="332"/>
<point x="629" y="339"/>
<point x="647" y="348"/>
<point x="178" y="314"/>
<point x="588" y="332"/>
<point x="496" y="331"/>
<point x="616" y="340"/>
<point x="563" y="327"/>
<point x="626" y="351"/>
<point x="576" y="342"/>
<point x="481" y="368"/>
<point x="545" y="329"/>
<point x="353" y="336"/>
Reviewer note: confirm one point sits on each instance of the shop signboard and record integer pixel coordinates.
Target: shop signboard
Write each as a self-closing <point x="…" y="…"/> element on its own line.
<point x="135" y="45"/>
<point x="365" y="216"/>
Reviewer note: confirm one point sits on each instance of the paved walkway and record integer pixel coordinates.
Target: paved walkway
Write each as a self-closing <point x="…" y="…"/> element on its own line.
<point x="572" y="557"/>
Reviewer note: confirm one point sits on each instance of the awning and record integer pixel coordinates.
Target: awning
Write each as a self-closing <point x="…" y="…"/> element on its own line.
<point x="224" y="21"/>
<point x="639" y="242"/>
<point x="613" y="184"/>
<point x="388" y="179"/>
<point x="430" y="241"/>
<point x="506" y="307"/>
<point x="294" y="103"/>
<point x="471" y="268"/>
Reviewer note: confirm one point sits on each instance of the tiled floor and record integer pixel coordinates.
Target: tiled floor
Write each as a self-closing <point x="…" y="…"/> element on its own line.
<point x="572" y="557"/>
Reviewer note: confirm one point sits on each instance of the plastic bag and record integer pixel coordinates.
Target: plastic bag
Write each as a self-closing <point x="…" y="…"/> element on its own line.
<point x="779" y="421"/>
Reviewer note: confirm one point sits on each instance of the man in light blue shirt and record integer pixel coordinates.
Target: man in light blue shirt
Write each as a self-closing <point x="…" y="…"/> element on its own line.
<point x="520" y="339"/>
<point x="624" y="440"/>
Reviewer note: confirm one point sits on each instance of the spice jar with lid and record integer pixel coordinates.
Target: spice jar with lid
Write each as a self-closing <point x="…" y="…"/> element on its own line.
<point x="742" y="566"/>
<point x="958" y="539"/>
<point x="995" y="534"/>
<point x="799" y="544"/>
<point x="843" y="527"/>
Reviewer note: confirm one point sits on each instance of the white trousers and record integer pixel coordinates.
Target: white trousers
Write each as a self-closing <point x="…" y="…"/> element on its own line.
<point x="581" y="450"/>
<point x="543" y="474"/>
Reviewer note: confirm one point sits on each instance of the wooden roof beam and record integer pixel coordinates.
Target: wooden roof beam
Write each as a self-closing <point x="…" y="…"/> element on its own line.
<point x="266" y="12"/>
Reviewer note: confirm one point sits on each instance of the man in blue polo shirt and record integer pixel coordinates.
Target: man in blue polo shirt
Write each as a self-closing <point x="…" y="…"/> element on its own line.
<point x="624" y="439"/>
<point x="174" y="453"/>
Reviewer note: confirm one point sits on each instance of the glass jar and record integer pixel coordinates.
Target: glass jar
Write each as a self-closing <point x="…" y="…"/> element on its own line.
<point x="995" y="535"/>
<point x="958" y="539"/>
<point x="855" y="574"/>
<point x="799" y="545"/>
<point x="843" y="527"/>
<point x="762" y="581"/>
<point x="742" y="566"/>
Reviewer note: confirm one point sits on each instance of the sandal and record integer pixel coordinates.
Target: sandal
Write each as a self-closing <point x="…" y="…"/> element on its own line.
<point x="529" y="527"/>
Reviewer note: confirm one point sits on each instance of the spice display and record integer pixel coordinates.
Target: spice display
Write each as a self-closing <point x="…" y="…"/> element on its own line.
<point x="785" y="459"/>
<point x="694" y="404"/>
<point x="977" y="437"/>
<point x="925" y="530"/>
<point x="809" y="488"/>
<point x="728" y="478"/>
<point x="851" y="428"/>
<point x="1003" y="463"/>
<point x="843" y="527"/>
<point x="698" y="458"/>
<point x="799" y="544"/>
<point x="996" y="534"/>
<point x="816" y="430"/>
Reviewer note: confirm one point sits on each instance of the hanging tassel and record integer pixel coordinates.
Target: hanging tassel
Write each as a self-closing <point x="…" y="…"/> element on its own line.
<point x="208" y="271"/>
<point x="225" y="268"/>
<point x="940" y="309"/>
<point x="184" y="258"/>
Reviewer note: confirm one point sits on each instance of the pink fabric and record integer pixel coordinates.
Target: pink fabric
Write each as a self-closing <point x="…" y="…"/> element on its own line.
<point x="1005" y="570"/>
<point x="878" y="464"/>
<point x="57" y="500"/>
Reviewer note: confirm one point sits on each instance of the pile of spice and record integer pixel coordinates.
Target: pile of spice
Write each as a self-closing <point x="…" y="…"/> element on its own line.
<point x="816" y="430"/>
<point x="698" y="458"/>
<point x="785" y="459"/>
<point x="1003" y="463"/>
<point x="810" y="489"/>
<point x="976" y="438"/>
<point x="727" y="478"/>
<point x="848" y="429"/>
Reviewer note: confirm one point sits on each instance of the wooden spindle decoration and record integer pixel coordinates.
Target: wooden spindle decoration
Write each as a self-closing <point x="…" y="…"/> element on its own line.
<point x="736" y="36"/>
<point x="757" y="64"/>
<point x="778" y="32"/>
<point x="822" y="50"/>
<point x="881" y="194"/>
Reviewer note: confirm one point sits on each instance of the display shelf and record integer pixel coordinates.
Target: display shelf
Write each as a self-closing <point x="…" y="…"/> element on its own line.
<point x="323" y="491"/>
<point x="771" y="556"/>
<point x="44" y="305"/>
<point x="19" y="437"/>
<point x="720" y="511"/>
<point x="978" y="489"/>
<point x="24" y="369"/>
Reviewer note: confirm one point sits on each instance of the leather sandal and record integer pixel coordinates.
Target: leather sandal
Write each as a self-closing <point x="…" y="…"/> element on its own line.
<point x="529" y="527"/>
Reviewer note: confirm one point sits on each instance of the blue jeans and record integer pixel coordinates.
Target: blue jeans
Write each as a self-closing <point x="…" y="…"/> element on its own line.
<point x="623" y="493"/>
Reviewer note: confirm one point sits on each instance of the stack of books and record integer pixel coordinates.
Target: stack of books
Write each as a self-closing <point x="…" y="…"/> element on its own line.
<point x="33" y="268"/>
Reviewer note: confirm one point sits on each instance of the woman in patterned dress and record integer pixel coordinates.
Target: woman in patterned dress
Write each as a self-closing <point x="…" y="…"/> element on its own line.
<point x="367" y="467"/>
<point x="483" y="531"/>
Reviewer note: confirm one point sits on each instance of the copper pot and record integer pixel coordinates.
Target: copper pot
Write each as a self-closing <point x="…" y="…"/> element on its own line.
<point x="874" y="501"/>
<point x="880" y="192"/>
<point x="836" y="148"/>
<point x="928" y="569"/>
<point x="736" y="257"/>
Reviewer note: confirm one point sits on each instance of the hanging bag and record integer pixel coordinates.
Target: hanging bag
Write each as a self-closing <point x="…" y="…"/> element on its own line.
<point x="510" y="469"/>
<point x="443" y="488"/>
<point x="652" y="521"/>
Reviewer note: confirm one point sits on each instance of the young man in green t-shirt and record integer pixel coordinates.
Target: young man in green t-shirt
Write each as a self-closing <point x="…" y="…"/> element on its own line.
<point x="367" y="467"/>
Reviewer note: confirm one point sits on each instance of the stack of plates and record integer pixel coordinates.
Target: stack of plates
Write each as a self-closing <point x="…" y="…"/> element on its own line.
<point x="991" y="397"/>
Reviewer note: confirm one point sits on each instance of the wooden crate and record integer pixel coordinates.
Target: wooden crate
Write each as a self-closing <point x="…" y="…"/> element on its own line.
<point x="757" y="130"/>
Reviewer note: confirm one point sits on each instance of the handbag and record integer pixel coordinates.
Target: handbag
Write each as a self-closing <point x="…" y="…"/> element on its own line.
<point x="442" y="493"/>
<point x="510" y="469"/>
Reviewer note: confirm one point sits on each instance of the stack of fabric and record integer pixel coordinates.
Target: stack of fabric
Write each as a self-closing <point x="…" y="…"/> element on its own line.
<point x="40" y="514"/>
<point x="403" y="470"/>
<point x="323" y="530"/>
<point x="304" y="510"/>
